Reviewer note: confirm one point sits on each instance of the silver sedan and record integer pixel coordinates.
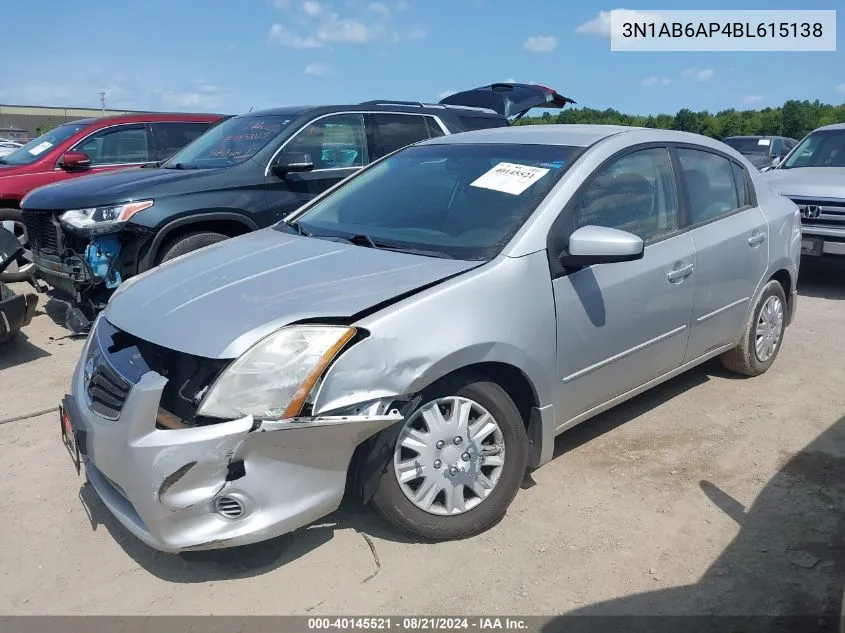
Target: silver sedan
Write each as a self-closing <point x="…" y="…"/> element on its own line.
<point x="423" y="331"/>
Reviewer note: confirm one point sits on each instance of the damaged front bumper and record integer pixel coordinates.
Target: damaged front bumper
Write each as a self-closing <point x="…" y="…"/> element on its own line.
<point x="217" y="485"/>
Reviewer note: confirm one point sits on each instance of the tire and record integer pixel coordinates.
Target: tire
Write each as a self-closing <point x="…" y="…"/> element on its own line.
<point x="190" y="242"/>
<point x="745" y="359"/>
<point x="25" y="265"/>
<point x="440" y="522"/>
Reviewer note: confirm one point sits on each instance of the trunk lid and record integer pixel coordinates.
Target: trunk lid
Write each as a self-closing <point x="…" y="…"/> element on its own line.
<point x="509" y="100"/>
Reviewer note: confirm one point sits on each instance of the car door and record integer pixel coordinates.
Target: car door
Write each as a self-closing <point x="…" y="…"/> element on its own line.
<point x="620" y="325"/>
<point x="337" y="145"/>
<point x="730" y="235"/>
<point x="113" y="147"/>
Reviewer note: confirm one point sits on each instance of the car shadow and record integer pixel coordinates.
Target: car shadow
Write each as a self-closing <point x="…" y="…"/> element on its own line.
<point x="243" y="561"/>
<point x="785" y="569"/>
<point x="19" y="351"/>
<point x="821" y="278"/>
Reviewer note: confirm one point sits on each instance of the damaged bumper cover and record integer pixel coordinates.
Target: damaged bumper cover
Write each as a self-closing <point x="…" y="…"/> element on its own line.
<point x="219" y="485"/>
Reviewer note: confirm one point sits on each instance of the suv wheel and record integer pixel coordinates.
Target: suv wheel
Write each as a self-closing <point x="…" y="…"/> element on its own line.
<point x="190" y="242"/>
<point x="457" y="464"/>
<point x="25" y="267"/>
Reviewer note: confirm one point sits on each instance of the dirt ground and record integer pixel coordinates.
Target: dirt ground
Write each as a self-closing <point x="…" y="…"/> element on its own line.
<point x="709" y="494"/>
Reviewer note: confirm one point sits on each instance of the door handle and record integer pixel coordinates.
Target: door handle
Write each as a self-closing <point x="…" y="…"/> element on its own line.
<point x="756" y="239"/>
<point x="679" y="273"/>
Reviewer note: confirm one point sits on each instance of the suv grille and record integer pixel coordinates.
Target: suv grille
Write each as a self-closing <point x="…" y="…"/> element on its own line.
<point x="42" y="231"/>
<point x="821" y="212"/>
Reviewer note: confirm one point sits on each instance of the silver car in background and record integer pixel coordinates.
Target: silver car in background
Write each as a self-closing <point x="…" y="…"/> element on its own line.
<point x="813" y="176"/>
<point x="424" y="330"/>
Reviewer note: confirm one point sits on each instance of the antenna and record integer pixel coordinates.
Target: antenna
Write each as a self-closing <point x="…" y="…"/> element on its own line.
<point x="103" y="100"/>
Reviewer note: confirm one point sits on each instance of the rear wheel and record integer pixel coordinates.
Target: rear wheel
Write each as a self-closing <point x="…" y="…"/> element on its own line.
<point x="12" y="219"/>
<point x="763" y="335"/>
<point x="457" y="464"/>
<point x="190" y="242"/>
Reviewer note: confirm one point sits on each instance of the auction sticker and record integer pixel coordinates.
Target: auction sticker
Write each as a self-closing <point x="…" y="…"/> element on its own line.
<point x="40" y="148"/>
<point x="509" y="178"/>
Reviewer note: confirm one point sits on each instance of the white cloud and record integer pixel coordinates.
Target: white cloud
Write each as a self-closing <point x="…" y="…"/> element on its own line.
<point x="284" y="36"/>
<point x="601" y="24"/>
<point x="416" y="34"/>
<point x="382" y="9"/>
<point x="312" y="8"/>
<point x="317" y="69"/>
<point x="654" y="80"/>
<point x="753" y="99"/>
<point x="445" y="93"/>
<point x="840" y="89"/>
<point x="699" y="74"/>
<point x="540" y="43"/>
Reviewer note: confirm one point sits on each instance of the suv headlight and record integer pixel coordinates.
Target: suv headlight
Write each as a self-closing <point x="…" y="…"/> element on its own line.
<point x="103" y="219"/>
<point x="272" y="379"/>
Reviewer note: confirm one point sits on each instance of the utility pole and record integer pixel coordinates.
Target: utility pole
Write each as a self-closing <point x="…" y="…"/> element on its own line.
<point x="103" y="101"/>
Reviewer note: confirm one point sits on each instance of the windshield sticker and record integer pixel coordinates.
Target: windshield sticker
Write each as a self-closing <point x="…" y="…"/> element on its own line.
<point x="40" y="148"/>
<point x="555" y="165"/>
<point x="509" y="178"/>
<point x="763" y="141"/>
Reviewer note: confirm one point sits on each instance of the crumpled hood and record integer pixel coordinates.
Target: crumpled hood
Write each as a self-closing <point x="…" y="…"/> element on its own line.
<point x="113" y="187"/>
<point x="807" y="182"/>
<point x="218" y="301"/>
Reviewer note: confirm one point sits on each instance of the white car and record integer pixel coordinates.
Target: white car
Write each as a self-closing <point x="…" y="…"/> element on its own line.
<point x="7" y="147"/>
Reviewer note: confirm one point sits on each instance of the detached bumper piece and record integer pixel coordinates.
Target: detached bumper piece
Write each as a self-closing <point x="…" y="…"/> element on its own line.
<point x="16" y="311"/>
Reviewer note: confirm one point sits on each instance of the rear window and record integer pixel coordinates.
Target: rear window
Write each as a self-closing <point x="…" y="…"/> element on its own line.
<point x="481" y="122"/>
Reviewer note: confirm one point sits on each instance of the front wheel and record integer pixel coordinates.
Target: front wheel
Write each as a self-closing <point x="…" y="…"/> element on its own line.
<point x="457" y="464"/>
<point x="12" y="219"/>
<point x="763" y="334"/>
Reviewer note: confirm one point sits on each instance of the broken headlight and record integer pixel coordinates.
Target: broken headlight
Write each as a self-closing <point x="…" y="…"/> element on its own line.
<point x="272" y="379"/>
<point x="103" y="219"/>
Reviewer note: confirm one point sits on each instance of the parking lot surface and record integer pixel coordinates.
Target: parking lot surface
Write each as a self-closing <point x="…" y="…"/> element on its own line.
<point x="708" y="494"/>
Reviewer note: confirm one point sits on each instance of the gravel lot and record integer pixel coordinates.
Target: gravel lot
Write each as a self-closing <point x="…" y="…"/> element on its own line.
<point x="709" y="494"/>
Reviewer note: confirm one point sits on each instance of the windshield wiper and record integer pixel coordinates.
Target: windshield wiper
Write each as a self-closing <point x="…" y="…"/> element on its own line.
<point x="180" y="166"/>
<point x="3" y="162"/>
<point x="296" y="226"/>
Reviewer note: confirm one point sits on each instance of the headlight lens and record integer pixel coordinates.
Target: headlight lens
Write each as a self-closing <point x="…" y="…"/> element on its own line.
<point x="103" y="218"/>
<point x="272" y="379"/>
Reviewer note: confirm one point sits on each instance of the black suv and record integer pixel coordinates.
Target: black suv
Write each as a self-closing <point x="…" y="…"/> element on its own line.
<point x="245" y="173"/>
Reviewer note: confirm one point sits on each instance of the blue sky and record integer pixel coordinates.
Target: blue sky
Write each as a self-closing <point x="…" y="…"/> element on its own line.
<point x="228" y="56"/>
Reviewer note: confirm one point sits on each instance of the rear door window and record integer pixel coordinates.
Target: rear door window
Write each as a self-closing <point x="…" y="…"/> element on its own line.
<point x="711" y="187"/>
<point x="396" y="131"/>
<point x="119" y="145"/>
<point x="171" y="137"/>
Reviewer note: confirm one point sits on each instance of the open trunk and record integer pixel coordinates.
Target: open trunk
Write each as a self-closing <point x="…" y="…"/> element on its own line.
<point x="509" y="100"/>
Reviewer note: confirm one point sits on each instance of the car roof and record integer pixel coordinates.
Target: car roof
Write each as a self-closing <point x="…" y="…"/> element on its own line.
<point x="378" y="105"/>
<point x="832" y="126"/>
<point x="577" y="135"/>
<point x="143" y="117"/>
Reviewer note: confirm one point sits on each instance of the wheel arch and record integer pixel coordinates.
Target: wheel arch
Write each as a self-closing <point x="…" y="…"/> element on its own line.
<point x="228" y="223"/>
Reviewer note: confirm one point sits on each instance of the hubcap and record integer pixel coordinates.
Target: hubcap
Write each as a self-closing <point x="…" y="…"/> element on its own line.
<point x="24" y="260"/>
<point x="449" y="456"/>
<point x="769" y="329"/>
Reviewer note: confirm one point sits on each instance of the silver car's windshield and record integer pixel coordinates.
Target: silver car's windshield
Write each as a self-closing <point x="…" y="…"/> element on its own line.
<point x="824" y="148"/>
<point x="463" y="201"/>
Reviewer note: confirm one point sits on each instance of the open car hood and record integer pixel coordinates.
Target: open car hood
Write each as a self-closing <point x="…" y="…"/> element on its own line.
<point x="509" y="100"/>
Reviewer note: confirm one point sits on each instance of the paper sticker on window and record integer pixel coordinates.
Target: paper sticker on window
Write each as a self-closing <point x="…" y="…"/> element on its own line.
<point x="40" y="148"/>
<point x="763" y="141"/>
<point x="509" y="178"/>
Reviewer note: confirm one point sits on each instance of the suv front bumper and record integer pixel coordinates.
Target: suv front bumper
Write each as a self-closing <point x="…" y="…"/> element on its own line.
<point x="163" y="484"/>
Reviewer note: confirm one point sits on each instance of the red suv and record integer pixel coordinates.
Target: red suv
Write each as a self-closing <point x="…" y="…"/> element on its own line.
<point x="88" y="146"/>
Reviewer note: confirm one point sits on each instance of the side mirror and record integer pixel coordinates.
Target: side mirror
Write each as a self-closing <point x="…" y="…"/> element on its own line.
<point x="601" y="245"/>
<point x="288" y="162"/>
<point x="71" y="160"/>
<point x="776" y="162"/>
